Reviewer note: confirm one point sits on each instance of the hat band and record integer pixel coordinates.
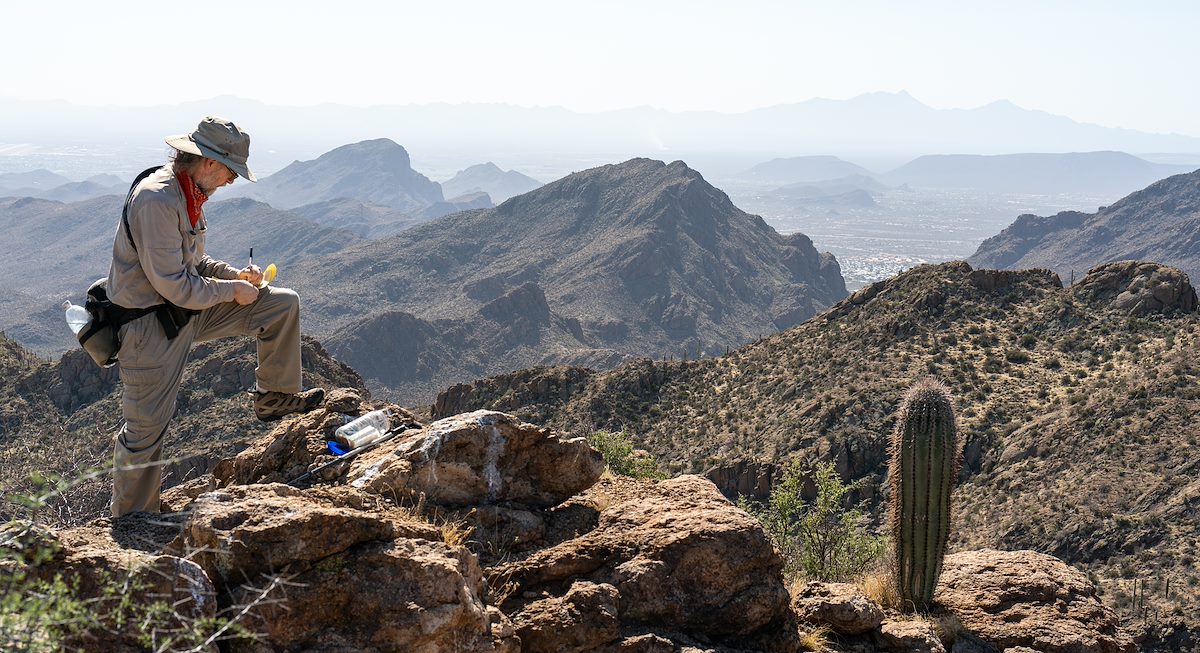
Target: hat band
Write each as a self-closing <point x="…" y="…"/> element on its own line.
<point x="218" y="150"/>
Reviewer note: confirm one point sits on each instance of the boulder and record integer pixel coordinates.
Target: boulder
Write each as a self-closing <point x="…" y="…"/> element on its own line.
<point x="681" y="558"/>
<point x="1138" y="288"/>
<point x="241" y="533"/>
<point x="170" y="593"/>
<point x="583" y="619"/>
<point x="909" y="637"/>
<point x="410" y="595"/>
<point x="298" y="443"/>
<point x="1023" y="598"/>
<point x="338" y="569"/>
<point x="841" y="606"/>
<point x="479" y="458"/>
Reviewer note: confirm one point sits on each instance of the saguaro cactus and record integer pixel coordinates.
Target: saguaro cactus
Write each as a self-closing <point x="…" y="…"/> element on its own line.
<point x="926" y="457"/>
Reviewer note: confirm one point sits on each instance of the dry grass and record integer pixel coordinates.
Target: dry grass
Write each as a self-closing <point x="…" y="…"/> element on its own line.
<point x="455" y="532"/>
<point x="880" y="587"/>
<point x="816" y="639"/>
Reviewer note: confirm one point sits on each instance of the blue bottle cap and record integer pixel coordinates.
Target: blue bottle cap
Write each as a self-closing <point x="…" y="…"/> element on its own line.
<point x="337" y="449"/>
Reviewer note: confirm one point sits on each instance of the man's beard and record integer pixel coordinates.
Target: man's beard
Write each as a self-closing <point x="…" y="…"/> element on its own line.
<point x="208" y="192"/>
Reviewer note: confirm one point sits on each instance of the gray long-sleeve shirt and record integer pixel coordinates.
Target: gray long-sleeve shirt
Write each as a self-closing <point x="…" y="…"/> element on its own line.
<point x="169" y="262"/>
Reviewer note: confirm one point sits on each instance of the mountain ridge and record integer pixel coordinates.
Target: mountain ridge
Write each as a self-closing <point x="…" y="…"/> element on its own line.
<point x="1157" y="223"/>
<point x="639" y="257"/>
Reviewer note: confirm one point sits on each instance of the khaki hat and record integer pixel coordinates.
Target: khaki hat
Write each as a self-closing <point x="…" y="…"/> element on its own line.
<point x="218" y="139"/>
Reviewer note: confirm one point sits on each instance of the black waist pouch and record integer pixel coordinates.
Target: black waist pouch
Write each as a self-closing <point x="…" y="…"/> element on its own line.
<point x="173" y="318"/>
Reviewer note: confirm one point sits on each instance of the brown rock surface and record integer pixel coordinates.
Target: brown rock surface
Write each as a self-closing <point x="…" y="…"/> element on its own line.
<point x="681" y="557"/>
<point x="478" y="458"/>
<point x="100" y="556"/>
<point x="1024" y="598"/>
<point x="299" y="443"/>
<point x="1138" y="288"/>
<point x="242" y="532"/>
<point x="357" y="574"/>
<point x="909" y="637"/>
<point x="583" y="619"/>
<point x="406" y="596"/>
<point x="841" y="606"/>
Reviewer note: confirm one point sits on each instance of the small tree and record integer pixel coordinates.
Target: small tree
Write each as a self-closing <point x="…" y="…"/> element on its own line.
<point x="823" y="540"/>
<point x="622" y="458"/>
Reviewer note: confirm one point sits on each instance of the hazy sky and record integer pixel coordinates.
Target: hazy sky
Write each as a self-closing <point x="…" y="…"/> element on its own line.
<point x="1128" y="64"/>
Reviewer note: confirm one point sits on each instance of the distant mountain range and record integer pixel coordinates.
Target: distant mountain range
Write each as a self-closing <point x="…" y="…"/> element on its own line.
<point x="1113" y="173"/>
<point x="376" y="171"/>
<point x="69" y="245"/>
<point x="1160" y="223"/>
<point x="894" y="124"/>
<point x="636" y="259"/>
<point x="803" y="169"/>
<point x="489" y="178"/>
<point x="47" y="185"/>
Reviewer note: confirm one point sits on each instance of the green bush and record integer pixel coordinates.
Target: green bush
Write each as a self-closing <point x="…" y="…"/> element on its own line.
<point x="823" y="540"/>
<point x="622" y="458"/>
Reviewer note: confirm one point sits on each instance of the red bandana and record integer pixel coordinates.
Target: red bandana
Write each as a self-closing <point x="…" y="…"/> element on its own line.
<point x="194" y="196"/>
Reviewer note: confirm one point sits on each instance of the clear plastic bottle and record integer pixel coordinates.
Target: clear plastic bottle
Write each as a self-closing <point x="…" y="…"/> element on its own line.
<point x="77" y="316"/>
<point x="355" y="434"/>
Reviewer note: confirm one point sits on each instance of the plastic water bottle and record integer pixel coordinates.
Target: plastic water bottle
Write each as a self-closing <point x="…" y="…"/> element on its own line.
<point x="77" y="316"/>
<point x="363" y="430"/>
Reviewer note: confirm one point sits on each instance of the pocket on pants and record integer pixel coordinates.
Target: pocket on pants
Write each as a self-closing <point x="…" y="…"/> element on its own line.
<point x="147" y="403"/>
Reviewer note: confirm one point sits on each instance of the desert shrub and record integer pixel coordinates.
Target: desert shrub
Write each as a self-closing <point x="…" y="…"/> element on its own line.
<point x="44" y="613"/>
<point x="1016" y="356"/>
<point x="621" y="457"/>
<point x="820" y="540"/>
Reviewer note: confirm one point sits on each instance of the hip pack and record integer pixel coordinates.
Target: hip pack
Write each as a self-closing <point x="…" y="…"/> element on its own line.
<point x="100" y="337"/>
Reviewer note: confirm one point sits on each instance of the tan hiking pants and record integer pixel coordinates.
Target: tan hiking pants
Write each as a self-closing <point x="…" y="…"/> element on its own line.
<point x="151" y="368"/>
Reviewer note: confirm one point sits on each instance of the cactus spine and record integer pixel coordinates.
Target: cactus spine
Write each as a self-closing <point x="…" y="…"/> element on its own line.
<point x="925" y="462"/>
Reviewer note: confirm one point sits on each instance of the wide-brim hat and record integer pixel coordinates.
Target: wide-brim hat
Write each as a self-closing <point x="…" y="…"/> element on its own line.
<point x="218" y="139"/>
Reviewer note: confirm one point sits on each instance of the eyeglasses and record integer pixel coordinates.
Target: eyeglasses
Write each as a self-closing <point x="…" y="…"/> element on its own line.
<point x="232" y="175"/>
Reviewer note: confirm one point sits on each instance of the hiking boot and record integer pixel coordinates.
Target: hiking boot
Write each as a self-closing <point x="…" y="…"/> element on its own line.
<point x="270" y="406"/>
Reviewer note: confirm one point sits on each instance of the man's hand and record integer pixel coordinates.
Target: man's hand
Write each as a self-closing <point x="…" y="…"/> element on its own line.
<point x="244" y="292"/>
<point x="251" y="273"/>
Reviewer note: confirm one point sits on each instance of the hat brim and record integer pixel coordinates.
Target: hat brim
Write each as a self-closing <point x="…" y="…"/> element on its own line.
<point x="184" y="143"/>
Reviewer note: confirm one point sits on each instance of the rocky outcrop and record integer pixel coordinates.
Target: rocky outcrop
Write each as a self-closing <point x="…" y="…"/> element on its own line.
<point x="298" y="443"/>
<point x="481" y="533"/>
<point x="1023" y="598"/>
<point x="99" y="557"/>
<point x="356" y="576"/>
<point x="987" y="602"/>
<point x="583" y="619"/>
<point x="840" y="606"/>
<point x="525" y="389"/>
<point x="678" y="557"/>
<point x="744" y="478"/>
<point x="1137" y="288"/>
<point x="993" y="280"/>
<point x="478" y="458"/>
<point x="909" y="636"/>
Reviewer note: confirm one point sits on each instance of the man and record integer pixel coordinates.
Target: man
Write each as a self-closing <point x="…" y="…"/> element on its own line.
<point x="176" y="295"/>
